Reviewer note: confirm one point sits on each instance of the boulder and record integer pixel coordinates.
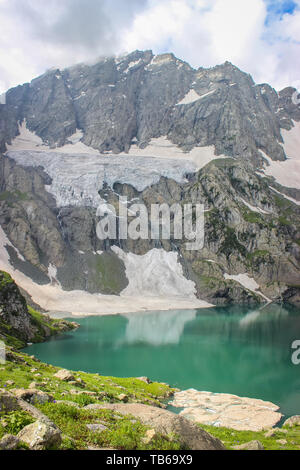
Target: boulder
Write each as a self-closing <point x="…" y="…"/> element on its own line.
<point x="68" y="403"/>
<point x="33" y="396"/>
<point x="271" y="433"/>
<point x="64" y="375"/>
<point x="150" y="435"/>
<point x="145" y="379"/>
<point x="9" y="382"/>
<point x="227" y="410"/>
<point x="282" y="442"/>
<point x="40" y="436"/>
<point x="252" y="445"/>
<point x="274" y="431"/>
<point x="8" y="401"/>
<point x="123" y="397"/>
<point x="292" y="421"/>
<point x="9" y="442"/>
<point x="165" y="422"/>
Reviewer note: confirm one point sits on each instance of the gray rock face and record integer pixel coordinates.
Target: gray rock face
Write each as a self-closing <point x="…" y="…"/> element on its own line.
<point x="14" y="316"/>
<point x="247" y="224"/>
<point x="48" y="200"/>
<point x="137" y="97"/>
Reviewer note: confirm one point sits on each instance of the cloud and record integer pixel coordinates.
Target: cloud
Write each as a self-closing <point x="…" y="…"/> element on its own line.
<point x="260" y="36"/>
<point x="36" y="35"/>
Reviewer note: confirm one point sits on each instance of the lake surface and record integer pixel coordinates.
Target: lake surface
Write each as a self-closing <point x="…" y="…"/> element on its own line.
<point x="246" y="352"/>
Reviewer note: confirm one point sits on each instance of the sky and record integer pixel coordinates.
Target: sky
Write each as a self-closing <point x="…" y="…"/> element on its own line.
<point x="262" y="37"/>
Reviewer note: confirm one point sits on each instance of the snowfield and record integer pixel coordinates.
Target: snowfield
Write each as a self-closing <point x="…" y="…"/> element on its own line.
<point x="287" y="173"/>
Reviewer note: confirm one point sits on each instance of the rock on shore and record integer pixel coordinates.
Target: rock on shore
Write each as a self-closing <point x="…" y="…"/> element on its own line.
<point x="225" y="410"/>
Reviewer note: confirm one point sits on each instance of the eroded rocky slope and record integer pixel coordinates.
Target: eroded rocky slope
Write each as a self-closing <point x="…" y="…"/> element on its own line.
<point x="173" y="120"/>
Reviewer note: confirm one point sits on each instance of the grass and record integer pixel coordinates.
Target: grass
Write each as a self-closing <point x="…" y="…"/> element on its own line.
<point x="13" y="422"/>
<point x="231" y="438"/>
<point x="44" y="323"/>
<point x="5" y="280"/>
<point x="121" y="433"/>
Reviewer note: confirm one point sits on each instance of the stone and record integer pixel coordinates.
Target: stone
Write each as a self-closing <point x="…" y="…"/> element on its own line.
<point x="68" y="403"/>
<point x="165" y="422"/>
<point x="64" y="375"/>
<point x="96" y="427"/>
<point x="33" y="385"/>
<point x="9" y="382"/>
<point x="292" y="421"/>
<point x="252" y="445"/>
<point x="80" y="382"/>
<point x="123" y="397"/>
<point x="150" y="435"/>
<point x="9" y="442"/>
<point x="274" y="431"/>
<point x="282" y="442"/>
<point x="271" y="433"/>
<point x="33" y="396"/>
<point x="34" y="412"/>
<point x="227" y="410"/>
<point x="145" y="379"/>
<point x="40" y="436"/>
<point x="8" y="402"/>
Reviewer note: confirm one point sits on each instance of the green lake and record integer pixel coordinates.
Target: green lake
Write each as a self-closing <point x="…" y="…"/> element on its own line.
<point x="236" y="350"/>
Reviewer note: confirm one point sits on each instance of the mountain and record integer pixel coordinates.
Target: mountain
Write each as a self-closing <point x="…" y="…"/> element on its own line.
<point x="155" y="130"/>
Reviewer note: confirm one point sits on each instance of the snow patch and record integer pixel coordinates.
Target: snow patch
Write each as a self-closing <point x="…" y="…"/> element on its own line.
<point x="52" y="274"/>
<point x="287" y="173"/>
<point x="157" y="273"/>
<point x="161" y="59"/>
<point x="3" y="98"/>
<point x="161" y="147"/>
<point x="285" y="196"/>
<point x="131" y="65"/>
<point x="254" y="208"/>
<point x="27" y="140"/>
<point x="248" y="282"/>
<point x="192" y="96"/>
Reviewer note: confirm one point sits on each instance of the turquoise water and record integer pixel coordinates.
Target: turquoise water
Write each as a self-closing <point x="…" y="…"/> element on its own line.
<point x="230" y="350"/>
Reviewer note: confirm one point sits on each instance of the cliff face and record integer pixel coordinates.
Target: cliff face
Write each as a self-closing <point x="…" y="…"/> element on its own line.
<point x="20" y="324"/>
<point x="140" y="96"/>
<point x="171" y="120"/>
<point x="15" y="320"/>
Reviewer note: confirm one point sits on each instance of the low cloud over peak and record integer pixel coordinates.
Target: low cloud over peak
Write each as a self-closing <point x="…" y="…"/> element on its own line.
<point x="260" y="36"/>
